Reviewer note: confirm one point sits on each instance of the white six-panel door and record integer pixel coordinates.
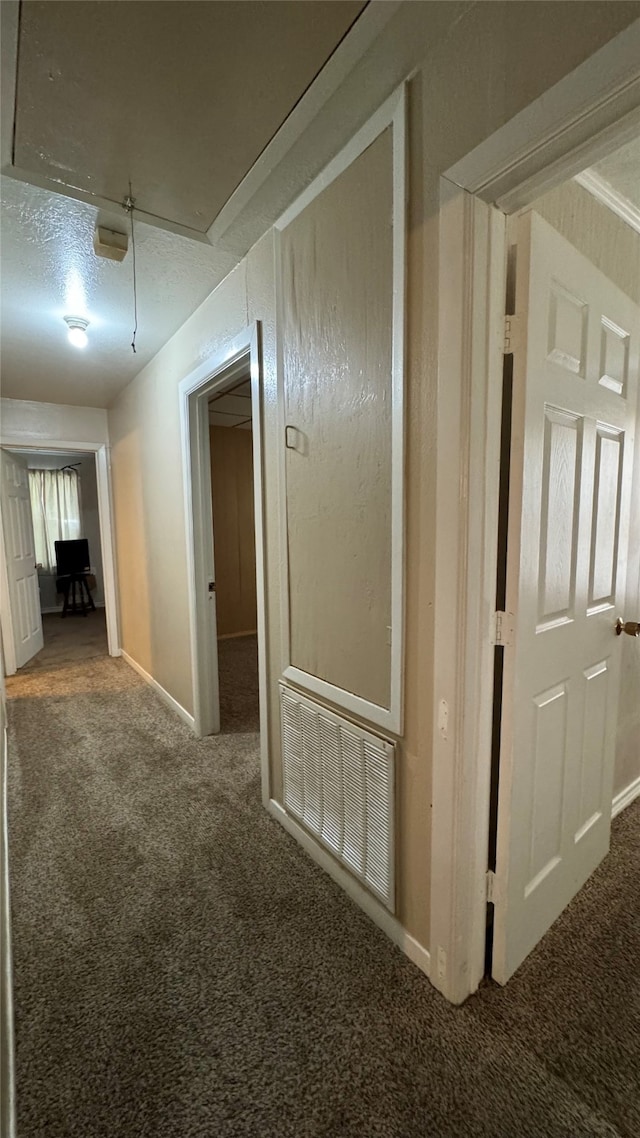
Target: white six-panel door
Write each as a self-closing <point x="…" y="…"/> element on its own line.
<point x="22" y="576"/>
<point x="574" y="400"/>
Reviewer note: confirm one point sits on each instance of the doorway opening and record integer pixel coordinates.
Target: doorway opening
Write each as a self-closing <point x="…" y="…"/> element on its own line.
<point x="221" y="419"/>
<point x="566" y="736"/>
<point x="579" y="123"/>
<point x="54" y="567"/>
<point x="234" y="544"/>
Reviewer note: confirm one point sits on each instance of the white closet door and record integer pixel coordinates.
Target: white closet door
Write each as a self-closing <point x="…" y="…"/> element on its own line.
<point x="575" y="376"/>
<point x="22" y="576"/>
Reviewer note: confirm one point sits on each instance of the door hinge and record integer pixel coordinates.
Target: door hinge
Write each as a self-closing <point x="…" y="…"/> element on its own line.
<point x="491" y="885"/>
<point x="499" y="631"/>
<point x="511" y="334"/>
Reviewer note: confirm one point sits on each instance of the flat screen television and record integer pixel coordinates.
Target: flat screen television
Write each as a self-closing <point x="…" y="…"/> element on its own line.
<point x="72" y="557"/>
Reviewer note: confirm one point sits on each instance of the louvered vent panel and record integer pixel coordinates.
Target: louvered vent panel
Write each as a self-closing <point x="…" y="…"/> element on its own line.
<point x="339" y="782"/>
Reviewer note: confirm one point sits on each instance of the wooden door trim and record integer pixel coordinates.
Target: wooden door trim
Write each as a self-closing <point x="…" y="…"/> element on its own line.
<point x="588" y="114"/>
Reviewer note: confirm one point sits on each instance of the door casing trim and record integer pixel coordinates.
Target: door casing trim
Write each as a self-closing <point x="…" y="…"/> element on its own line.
<point x="217" y="372"/>
<point x="586" y="115"/>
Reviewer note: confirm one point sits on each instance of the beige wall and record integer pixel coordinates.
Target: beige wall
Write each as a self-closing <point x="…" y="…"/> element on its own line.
<point x="482" y="64"/>
<point x="614" y="247"/>
<point x="337" y="274"/>
<point x="609" y="243"/>
<point x="23" y="421"/>
<point x="234" y="529"/>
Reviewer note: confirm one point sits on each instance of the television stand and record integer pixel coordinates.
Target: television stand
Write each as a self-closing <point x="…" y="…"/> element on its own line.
<point x="75" y="588"/>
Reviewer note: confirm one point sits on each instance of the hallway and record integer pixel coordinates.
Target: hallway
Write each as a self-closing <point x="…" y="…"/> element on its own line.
<point x="183" y="969"/>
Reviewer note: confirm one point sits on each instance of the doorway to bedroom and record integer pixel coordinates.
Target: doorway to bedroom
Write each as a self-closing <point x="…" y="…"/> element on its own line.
<point x="233" y="510"/>
<point x="52" y="518"/>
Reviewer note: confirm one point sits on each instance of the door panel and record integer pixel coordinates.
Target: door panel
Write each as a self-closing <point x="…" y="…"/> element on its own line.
<point x="575" y="375"/>
<point x="605" y="523"/>
<point x="24" y="592"/>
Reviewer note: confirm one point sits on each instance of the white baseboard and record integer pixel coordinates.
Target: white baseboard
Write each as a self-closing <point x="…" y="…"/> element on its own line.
<point x="162" y="692"/>
<point x="416" y="952"/>
<point x="625" y="797"/>
<point x="365" y="901"/>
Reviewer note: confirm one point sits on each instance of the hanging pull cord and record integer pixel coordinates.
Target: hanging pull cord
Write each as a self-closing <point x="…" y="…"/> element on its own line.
<point x="128" y="204"/>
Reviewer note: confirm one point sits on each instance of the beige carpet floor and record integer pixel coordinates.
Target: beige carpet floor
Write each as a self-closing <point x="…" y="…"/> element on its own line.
<point x="75" y="637"/>
<point x="238" y="678"/>
<point x="184" y="970"/>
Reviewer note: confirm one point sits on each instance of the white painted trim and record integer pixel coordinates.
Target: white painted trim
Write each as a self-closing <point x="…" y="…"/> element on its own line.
<point x="366" y="29"/>
<point x="607" y="195"/>
<point x="41" y="442"/>
<point x="158" y="689"/>
<point x="261" y="571"/>
<point x="213" y="375"/>
<point x="625" y="797"/>
<point x="102" y="453"/>
<point x="365" y="900"/>
<point x="398" y="426"/>
<point x="580" y="119"/>
<point x="285" y="636"/>
<point x="218" y="372"/>
<point x="200" y="564"/>
<point x="467" y="489"/>
<point x="584" y="117"/>
<point x="341" y="698"/>
<point x="107" y="542"/>
<point x="6" y="618"/>
<point x="7" y="1038"/>
<point x="392" y="114"/>
<point x="385" y="116"/>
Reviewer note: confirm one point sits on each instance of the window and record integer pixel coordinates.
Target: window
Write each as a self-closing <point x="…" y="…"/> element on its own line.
<point x="55" y="505"/>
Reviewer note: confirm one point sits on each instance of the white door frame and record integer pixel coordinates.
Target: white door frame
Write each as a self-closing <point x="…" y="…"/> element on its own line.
<point x="107" y="539"/>
<point x="582" y="118"/>
<point x="219" y="371"/>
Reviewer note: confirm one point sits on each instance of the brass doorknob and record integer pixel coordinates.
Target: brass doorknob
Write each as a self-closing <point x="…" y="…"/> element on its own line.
<point x="631" y="627"/>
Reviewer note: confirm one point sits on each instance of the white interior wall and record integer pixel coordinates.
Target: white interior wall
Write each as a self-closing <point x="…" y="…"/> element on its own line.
<point x="26" y="423"/>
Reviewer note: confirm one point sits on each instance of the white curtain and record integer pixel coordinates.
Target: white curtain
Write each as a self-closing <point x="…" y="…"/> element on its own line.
<point x="55" y="505"/>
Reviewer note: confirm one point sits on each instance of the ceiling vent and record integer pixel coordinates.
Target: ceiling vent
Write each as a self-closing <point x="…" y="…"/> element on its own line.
<point x="110" y="244"/>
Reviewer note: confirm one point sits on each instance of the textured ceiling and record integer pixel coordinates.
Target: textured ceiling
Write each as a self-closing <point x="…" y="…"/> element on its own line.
<point x="49" y="271"/>
<point x="178" y="97"/>
<point x="622" y="171"/>
<point x="181" y="98"/>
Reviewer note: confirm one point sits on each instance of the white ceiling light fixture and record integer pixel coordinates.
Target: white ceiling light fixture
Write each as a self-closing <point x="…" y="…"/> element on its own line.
<point x="77" y="333"/>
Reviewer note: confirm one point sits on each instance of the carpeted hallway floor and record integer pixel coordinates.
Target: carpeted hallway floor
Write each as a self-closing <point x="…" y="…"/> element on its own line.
<point x="183" y="970"/>
<point x="70" y="638"/>
<point x="238" y="677"/>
